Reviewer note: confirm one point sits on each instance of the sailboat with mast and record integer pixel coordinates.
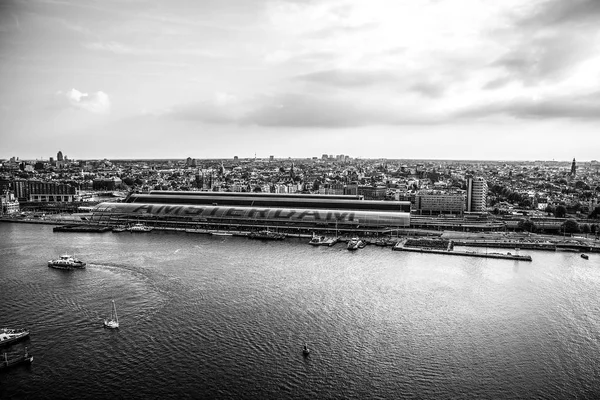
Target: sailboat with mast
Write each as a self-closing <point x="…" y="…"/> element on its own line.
<point x="113" y="322"/>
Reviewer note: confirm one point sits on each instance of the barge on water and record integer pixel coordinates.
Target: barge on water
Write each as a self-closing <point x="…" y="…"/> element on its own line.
<point x="81" y="228"/>
<point x="24" y="359"/>
<point x="266" y="235"/>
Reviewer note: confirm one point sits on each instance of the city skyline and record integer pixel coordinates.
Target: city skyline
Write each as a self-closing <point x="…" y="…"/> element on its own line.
<point x="282" y="158"/>
<point x="448" y="80"/>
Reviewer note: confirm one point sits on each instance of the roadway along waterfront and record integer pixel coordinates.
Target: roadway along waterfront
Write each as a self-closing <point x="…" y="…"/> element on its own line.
<point x="225" y="317"/>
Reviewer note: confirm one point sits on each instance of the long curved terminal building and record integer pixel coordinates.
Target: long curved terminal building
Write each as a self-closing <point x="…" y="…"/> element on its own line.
<point x="293" y="213"/>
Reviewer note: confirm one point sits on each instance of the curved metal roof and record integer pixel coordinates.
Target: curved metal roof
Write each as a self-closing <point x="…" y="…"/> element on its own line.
<point x="259" y="194"/>
<point x="223" y="213"/>
<point x="281" y="202"/>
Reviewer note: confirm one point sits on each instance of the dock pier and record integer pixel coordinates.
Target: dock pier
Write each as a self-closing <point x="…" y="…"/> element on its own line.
<point x="508" y="256"/>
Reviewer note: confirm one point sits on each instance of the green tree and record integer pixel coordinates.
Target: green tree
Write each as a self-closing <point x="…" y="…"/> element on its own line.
<point x="585" y="228"/>
<point x="571" y="226"/>
<point x="526" y="225"/>
<point x="582" y="185"/>
<point x="525" y="203"/>
<point x="560" y="212"/>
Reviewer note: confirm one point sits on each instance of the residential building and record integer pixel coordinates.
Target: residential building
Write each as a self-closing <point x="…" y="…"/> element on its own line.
<point x="476" y="194"/>
<point x="436" y="202"/>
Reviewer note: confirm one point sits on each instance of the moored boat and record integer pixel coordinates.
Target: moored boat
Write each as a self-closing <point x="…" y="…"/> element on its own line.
<point x="12" y="335"/>
<point x="585" y="256"/>
<point x="119" y="228"/>
<point x="355" y="243"/>
<point x="221" y="233"/>
<point x="266" y="235"/>
<point x="139" y="227"/>
<point x="66" y="262"/>
<point x="322" y="241"/>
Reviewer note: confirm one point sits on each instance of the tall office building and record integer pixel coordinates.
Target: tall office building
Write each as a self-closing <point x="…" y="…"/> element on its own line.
<point x="476" y="194"/>
<point x="59" y="156"/>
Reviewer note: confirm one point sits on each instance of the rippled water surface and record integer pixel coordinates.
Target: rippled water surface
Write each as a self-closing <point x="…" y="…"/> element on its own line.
<point x="226" y="317"/>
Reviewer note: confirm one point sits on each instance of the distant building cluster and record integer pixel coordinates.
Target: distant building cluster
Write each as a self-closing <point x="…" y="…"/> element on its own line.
<point x="492" y="190"/>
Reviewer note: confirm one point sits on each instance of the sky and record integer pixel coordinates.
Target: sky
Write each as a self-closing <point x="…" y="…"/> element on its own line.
<point x="401" y="79"/>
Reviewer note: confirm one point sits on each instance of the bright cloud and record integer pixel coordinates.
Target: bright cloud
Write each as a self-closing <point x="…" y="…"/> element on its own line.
<point x="97" y="103"/>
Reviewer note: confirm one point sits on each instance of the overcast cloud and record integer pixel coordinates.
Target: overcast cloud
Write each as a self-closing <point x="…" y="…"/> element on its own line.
<point x="190" y="69"/>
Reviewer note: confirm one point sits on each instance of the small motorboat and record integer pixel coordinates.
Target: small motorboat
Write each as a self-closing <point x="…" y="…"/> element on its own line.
<point x="12" y="335"/>
<point x="322" y="240"/>
<point x="66" y="262"/>
<point x="305" y="350"/>
<point x="139" y="227"/>
<point x="119" y="228"/>
<point x="355" y="243"/>
<point x="585" y="256"/>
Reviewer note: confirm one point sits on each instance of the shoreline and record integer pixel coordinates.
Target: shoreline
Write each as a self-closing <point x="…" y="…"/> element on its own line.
<point x="508" y="240"/>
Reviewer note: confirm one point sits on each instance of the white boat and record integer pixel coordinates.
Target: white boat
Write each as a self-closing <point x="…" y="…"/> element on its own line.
<point x="139" y="227"/>
<point x="66" y="262"/>
<point x="195" y="230"/>
<point x="119" y="228"/>
<point x="355" y="243"/>
<point x="322" y="240"/>
<point x="12" y="335"/>
<point x="221" y="233"/>
<point x="113" y="322"/>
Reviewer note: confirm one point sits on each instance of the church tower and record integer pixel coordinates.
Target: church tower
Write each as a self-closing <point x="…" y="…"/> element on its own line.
<point x="573" y="169"/>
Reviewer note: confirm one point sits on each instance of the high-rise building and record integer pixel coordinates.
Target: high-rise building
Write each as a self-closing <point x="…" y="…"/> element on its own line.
<point x="573" y="169"/>
<point x="59" y="156"/>
<point x="476" y="194"/>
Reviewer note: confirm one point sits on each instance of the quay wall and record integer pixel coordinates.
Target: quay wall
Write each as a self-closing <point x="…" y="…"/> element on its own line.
<point x="529" y="245"/>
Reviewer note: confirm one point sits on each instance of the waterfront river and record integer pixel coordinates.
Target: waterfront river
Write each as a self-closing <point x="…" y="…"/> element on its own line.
<point x="226" y="318"/>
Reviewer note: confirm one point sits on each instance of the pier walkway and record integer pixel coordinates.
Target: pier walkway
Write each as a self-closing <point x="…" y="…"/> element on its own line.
<point x="508" y="256"/>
